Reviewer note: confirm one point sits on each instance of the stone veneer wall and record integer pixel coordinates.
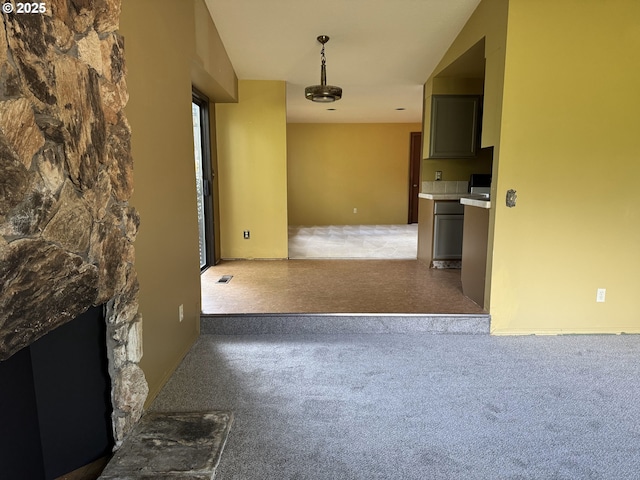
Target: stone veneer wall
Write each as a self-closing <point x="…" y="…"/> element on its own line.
<point x="66" y="229"/>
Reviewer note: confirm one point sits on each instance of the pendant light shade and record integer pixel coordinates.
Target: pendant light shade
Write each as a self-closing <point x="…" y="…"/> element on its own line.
<point x="323" y="93"/>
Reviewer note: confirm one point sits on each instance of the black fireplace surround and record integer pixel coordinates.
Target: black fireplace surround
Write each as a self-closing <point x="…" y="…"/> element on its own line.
<point x="55" y="403"/>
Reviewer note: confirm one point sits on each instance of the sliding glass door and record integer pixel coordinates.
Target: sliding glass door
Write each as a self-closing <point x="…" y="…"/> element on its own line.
<point x="202" y="157"/>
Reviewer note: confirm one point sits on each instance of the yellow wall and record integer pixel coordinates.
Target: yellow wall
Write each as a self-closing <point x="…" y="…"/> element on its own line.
<point x="569" y="148"/>
<point x="488" y="22"/>
<point x="457" y="168"/>
<point x="560" y="107"/>
<point x="159" y="111"/>
<point x="211" y="69"/>
<point x="334" y="168"/>
<point x="252" y="171"/>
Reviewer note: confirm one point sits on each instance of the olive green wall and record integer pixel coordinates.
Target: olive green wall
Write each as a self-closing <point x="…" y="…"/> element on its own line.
<point x="334" y="168"/>
<point x="252" y="171"/>
<point x="160" y="45"/>
<point x="560" y="108"/>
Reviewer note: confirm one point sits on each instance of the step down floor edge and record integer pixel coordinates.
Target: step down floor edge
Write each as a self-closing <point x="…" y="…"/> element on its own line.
<point x="254" y="324"/>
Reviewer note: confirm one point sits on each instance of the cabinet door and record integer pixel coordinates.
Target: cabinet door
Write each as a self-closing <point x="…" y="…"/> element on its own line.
<point x="455" y="121"/>
<point x="447" y="237"/>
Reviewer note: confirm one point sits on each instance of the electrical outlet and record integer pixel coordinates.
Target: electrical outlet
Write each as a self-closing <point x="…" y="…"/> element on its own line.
<point x="600" y="295"/>
<point x="438" y="175"/>
<point x="355" y="210"/>
<point x="247" y="234"/>
<point x="181" y="312"/>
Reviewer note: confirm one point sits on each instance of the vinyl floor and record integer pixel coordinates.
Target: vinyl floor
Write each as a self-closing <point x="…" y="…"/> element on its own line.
<point x="333" y="286"/>
<point x="338" y="269"/>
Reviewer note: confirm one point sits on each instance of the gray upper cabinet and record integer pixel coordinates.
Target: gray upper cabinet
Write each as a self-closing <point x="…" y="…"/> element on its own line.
<point x="455" y="123"/>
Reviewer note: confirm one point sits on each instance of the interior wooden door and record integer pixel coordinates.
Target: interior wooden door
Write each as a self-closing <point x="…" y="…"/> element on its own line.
<point x="415" y="157"/>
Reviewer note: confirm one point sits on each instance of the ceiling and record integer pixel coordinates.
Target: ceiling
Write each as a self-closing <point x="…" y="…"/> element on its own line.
<point x="381" y="52"/>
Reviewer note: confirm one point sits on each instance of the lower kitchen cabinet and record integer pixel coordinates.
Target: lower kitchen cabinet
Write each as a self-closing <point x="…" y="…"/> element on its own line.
<point x="440" y="226"/>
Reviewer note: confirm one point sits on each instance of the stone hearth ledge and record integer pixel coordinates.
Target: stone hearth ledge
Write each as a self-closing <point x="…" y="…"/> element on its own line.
<point x="166" y="445"/>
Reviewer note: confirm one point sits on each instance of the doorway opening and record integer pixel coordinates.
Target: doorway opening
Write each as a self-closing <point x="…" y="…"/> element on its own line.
<point x="202" y="158"/>
<point x="367" y="240"/>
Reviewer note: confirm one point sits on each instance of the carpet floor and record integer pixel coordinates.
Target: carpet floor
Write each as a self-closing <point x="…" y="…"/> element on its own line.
<point x="354" y="241"/>
<point x="418" y="406"/>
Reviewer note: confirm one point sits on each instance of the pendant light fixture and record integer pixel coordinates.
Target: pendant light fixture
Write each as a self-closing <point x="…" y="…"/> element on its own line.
<point x="323" y="93"/>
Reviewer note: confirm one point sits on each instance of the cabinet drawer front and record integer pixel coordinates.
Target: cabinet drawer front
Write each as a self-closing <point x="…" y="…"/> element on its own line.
<point x="448" y="208"/>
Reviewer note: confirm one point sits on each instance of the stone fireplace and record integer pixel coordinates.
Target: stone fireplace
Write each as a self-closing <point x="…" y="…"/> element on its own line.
<point x="66" y="228"/>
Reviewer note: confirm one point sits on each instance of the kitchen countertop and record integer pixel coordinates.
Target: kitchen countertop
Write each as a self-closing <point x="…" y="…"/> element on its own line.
<point x="443" y="196"/>
<point x="472" y="199"/>
<point x="476" y="201"/>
